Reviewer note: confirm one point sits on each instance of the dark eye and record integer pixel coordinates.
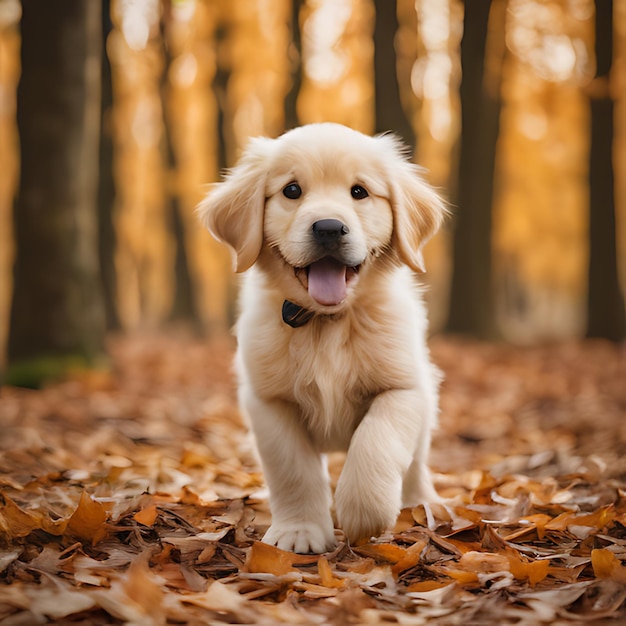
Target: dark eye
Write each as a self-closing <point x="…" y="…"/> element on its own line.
<point x="292" y="191"/>
<point x="358" y="192"/>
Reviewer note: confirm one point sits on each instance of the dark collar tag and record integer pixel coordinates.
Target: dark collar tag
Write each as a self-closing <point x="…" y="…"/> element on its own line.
<point x="295" y="315"/>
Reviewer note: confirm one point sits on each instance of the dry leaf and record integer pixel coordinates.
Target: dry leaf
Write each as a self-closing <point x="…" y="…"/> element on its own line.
<point x="58" y="601"/>
<point x="533" y="571"/>
<point x="410" y="558"/>
<point x="171" y="516"/>
<point x="264" y="558"/>
<point x="386" y="552"/>
<point x="147" y="516"/>
<point x="88" y="520"/>
<point x="606" y="565"/>
<point x="327" y="578"/>
<point x="14" y="522"/>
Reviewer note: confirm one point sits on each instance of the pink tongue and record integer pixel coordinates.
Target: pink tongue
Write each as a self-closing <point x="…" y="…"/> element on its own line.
<point x="327" y="281"/>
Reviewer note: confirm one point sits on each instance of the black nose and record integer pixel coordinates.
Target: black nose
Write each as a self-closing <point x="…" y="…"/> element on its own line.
<point x="329" y="231"/>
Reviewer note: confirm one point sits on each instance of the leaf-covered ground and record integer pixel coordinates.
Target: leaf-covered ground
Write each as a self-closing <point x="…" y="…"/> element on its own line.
<point x="134" y="498"/>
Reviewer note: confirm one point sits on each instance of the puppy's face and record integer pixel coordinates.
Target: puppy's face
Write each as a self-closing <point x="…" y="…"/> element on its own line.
<point x="323" y="202"/>
<point x="327" y="213"/>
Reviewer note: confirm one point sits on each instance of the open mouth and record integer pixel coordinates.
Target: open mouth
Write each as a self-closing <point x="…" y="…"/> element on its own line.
<point x="327" y="280"/>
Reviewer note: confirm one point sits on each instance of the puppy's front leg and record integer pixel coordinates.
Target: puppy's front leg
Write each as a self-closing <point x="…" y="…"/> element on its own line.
<point x="300" y="495"/>
<point x="369" y="492"/>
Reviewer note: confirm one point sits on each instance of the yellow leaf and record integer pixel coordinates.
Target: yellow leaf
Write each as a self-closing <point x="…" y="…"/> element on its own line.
<point x="598" y="519"/>
<point x="605" y="564"/>
<point x="88" y="520"/>
<point x="460" y="576"/>
<point x="560" y="522"/>
<point x="264" y="558"/>
<point x="538" y="521"/>
<point x="382" y="551"/>
<point x="410" y="559"/>
<point x="147" y="516"/>
<point x="404" y="522"/>
<point x="533" y="571"/>
<point x="326" y="575"/>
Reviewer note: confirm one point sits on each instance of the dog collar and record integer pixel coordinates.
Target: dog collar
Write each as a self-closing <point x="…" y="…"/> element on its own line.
<point x="295" y="315"/>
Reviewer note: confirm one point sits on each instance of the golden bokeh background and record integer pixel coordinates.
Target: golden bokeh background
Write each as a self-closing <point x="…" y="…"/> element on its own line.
<point x="211" y="73"/>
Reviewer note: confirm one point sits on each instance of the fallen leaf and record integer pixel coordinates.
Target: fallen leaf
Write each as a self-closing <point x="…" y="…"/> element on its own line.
<point x="218" y="597"/>
<point x="327" y="578"/>
<point x="15" y="522"/>
<point x="606" y="565"/>
<point x="88" y="520"/>
<point x="533" y="571"/>
<point x="387" y="552"/>
<point x="264" y="558"/>
<point x="147" y="516"/>
<point x="530" y="511"/>
<point x="410" y="558"/>
<point x="483" y="562"/>
<point x="427" y="585"/>
<point x="8" y="557"/>
<point x="58" y="600"/>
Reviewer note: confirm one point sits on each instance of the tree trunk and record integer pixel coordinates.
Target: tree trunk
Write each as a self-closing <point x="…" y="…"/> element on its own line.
<point x="471" y="298"/>
<point x="389" y="112"/>
<point x="605" y="302"/>
<point x="291" y="100"/>
<point x="106" y="184"/>
<point x="184" y="307"/>
<point x="57" y="316"/>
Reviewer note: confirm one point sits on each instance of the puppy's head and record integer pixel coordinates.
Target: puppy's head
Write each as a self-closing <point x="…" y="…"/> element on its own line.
<point x="318" y="206"/>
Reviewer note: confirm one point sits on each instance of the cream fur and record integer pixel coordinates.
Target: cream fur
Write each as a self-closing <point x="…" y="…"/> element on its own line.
<point x="357" y="377"/>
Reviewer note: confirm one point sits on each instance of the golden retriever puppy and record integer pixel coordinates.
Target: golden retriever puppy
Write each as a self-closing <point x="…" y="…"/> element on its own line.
<point x="328" y="225"/>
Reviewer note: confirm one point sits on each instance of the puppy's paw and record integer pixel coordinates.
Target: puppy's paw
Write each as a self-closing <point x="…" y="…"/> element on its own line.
<point x="420" y="492"/>
<point x="362" y="514"/>
<point x="302" y="537"/>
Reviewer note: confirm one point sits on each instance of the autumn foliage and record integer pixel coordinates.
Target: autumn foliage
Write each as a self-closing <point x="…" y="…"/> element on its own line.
<point x="135" y="498"/>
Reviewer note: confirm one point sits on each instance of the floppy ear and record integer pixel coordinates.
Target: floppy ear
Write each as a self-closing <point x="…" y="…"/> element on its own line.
<point x="233" y="210"/>
<point x="418" y="210"/>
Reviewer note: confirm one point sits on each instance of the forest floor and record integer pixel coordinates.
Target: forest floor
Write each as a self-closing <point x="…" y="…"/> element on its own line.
<point x="133" y="497"/>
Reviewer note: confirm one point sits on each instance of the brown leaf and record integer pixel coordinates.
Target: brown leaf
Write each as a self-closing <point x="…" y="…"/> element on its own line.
<point x="263" y="558"/>
<point x="388" y="552"/>
<point x="428" y="585"/>
<point x="410" y="558"/>
<point x="59" y="600"/>
<point x="88" y="520"/>
<point x="530" y="523"/>
<point x="8" y="557"/>
<point x="483" y="562"/>
<point x="533" y="571"/>
<point x="147" y="516"/>
<point x="218" y="597"/>
<point x="15" y="522"/>
<point x="142" y="588"/>
<point x="327" y="577"/>
<point x="606" y="565"/>
<point x="463" y="577"/>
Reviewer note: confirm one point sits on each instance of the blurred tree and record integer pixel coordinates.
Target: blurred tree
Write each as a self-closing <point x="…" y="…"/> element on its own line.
<point x="184" y="307"/>
<point x="295" y="58"/>
<point x="471" y="299"/>
<point x="57" y="317"/>
<point x="106" y="184"/>
<point x="389" y="112"/>
<point x="606" y="316"/>
<point x="220" y="87"/>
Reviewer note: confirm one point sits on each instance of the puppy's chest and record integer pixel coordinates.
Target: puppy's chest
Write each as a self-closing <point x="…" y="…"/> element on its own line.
<point x="333" y="382"/>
